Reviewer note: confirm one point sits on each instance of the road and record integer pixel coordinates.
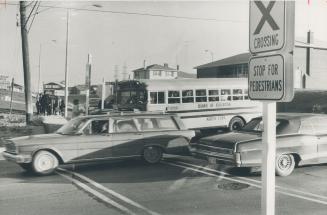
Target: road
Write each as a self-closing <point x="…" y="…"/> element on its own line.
<point x="178" y="185"/>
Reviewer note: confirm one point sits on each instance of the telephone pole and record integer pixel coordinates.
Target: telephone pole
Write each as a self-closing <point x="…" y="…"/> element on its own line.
<point x="26" y="64"/>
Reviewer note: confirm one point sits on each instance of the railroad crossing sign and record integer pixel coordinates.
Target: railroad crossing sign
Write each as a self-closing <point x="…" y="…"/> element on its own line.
<point x="267" y="26"/>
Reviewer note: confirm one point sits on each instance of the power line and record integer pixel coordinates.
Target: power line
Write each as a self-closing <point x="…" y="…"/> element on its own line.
<point x="136" y="13"/>
<point x="34" y="15"/>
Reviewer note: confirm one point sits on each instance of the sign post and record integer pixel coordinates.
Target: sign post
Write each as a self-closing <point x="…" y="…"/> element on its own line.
<point x="271" y="42"/>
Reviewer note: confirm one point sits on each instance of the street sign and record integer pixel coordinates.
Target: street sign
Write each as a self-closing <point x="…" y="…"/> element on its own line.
<point x="266" y="77"/>
<point x="267" y="26"/>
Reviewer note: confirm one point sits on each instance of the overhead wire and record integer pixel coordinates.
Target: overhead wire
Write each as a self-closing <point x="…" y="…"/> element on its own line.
<point x="29" y="15"/>
<point x="34" y="15"/>
<point x="137" y="13"/>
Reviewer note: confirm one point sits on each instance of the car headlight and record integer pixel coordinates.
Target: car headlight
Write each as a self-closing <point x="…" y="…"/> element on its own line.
<point x="11" y="147"/>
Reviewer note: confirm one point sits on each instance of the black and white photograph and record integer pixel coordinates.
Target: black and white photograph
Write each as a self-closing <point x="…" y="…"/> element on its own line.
<point x="166" y="107"/>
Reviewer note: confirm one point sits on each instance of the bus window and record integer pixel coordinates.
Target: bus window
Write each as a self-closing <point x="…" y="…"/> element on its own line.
<point x="246" y="95"/>
<point x="161" y="97"/>
<point x="187" y="96"/>
<point x="201" y="96"/>
<point x="237" y="94"/>
<point x="173" y="97"/>
<point x="213" y="95"/>
<point x="225" y="95"/>
<point x="153" y="98"/>
<point x="157" y="97"/>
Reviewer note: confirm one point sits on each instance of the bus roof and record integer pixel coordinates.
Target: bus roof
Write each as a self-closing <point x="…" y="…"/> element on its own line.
<point x="195" y="83"/>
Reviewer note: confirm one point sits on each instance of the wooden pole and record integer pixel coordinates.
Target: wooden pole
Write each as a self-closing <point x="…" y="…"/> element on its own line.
<point x="26" y="65"/>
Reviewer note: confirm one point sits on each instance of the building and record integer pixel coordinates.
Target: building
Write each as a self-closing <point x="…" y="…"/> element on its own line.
<point x="231" y="67"/>
<point x="309" y="63"/>
<point x="54" y="88"/>
<point x="156" y="71"/>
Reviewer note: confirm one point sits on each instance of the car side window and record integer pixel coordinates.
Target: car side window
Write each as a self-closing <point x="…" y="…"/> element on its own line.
<point x="166" y="123"/>
<point x="307" y="127"/>
<point x="124" y="125"/>
<point x="145" y="124"/>
<point x="320" y="125"/>
<point x="97" y="127"/>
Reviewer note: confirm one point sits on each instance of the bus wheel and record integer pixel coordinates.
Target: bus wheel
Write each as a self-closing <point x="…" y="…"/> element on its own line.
<point x="152" y="154"/>
<point x="235" y="124"/>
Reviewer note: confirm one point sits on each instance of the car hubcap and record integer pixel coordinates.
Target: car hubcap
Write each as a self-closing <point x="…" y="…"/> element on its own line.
<point x="45" y="162"/>
<point x="151" y="154"/>
<point x="284" y="162"/>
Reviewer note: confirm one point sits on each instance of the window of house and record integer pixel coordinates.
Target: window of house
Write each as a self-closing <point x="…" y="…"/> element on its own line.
<point x="225" y="95"/>
<point x="201" y="95"/>
<point x="173" y="97"/>
<point x="187" y="96"/>
<point x="213" y="95"/>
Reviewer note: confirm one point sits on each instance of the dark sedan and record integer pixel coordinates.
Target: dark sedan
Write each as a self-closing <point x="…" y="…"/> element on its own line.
<point x="300" y="139"/>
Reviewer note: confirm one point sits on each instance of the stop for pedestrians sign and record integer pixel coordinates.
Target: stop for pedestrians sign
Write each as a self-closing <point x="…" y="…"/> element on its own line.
<point x="266" y="77"/>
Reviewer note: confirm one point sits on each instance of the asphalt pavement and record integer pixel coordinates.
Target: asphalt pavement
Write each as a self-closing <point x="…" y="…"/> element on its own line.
<point x="178" y="185"/>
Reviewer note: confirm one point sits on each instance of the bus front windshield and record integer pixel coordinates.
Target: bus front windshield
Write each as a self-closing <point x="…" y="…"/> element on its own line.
<point x="72" y="127"/>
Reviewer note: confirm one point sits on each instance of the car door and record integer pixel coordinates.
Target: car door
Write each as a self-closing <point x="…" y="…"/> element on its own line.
<point x="308" y="140"/>
<point x="320" y="127"/>
<point x="95" y="143"/>
<point x="127" y="139"/>
<point x="164" y="132"/>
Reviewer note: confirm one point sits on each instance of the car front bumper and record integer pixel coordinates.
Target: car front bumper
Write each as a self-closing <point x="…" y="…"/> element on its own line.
<point x="17" y="158"/>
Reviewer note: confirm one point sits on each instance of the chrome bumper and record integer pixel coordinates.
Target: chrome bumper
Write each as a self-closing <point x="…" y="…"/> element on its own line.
<point x="17" y="158"/>
<point x="220" y="158"/>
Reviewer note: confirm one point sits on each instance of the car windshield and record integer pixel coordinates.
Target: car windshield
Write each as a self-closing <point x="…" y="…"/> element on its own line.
<point x="72" y="127"/>
<point x="256" y="125"/>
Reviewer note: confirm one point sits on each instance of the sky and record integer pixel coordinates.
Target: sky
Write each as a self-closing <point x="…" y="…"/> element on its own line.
<point x="115" y="34"/>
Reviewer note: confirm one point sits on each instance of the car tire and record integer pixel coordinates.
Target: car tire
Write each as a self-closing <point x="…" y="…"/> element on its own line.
<point x="285" y="164"/>
<point x="26" y="166"/>
<point x="152" y="154"/>
<point x="44" y="162"/>
<point x="236" y="123"/>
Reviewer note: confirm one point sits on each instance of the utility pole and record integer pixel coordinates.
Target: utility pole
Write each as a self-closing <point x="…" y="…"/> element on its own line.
<point x="66" y="66"/>
<point x="26" y="64"/>
<point x="88" y="83"/>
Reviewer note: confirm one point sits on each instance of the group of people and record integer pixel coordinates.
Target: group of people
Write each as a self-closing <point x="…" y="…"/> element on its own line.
<point x="49" y="105"/>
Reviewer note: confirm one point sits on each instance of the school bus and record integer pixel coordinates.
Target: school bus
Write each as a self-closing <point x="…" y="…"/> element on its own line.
<point x="206" y="103"/>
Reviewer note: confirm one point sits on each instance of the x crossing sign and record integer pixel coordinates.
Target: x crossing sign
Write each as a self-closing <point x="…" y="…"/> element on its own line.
<point x="267" y="26"/>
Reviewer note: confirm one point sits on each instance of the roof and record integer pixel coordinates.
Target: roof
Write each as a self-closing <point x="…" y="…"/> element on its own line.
<point x="155" y="67"/>
<point x="185" y="75"/>
<point x="245" y="57"/>
<point x="238" y="59"/>
<point x="60" y="84"/>
<point x="197" y="83"/>
<point x="114" y="113"/>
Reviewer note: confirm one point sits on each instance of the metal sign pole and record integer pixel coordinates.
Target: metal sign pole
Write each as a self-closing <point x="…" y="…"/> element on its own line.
<point x="103" y="94"/>
<point x="268" y="158"/>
